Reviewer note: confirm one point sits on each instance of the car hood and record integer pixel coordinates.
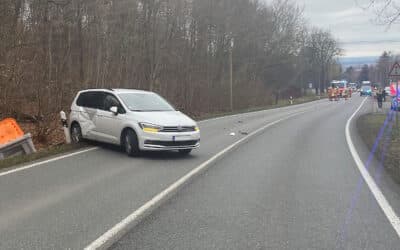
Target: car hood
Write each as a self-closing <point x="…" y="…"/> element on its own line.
<point x="165" y="118"/>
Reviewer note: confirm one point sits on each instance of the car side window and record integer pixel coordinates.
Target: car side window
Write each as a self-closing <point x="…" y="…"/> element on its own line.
<point x="94" y="100"/>
<point x="111" y="101"/>
<point x="82" y="100"/>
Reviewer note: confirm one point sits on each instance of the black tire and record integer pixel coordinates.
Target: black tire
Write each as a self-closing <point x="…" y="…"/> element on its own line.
<point x="76" y="133"/>
<point x="184" y="151"/>
<point x="130" y="143"/>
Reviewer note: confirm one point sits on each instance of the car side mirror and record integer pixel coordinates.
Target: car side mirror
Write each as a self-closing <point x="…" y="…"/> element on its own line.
<point x="114" y="110"/>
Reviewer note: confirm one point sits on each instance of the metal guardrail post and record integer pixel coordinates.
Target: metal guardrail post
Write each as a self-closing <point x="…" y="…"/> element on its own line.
<point x="64" y="123"/>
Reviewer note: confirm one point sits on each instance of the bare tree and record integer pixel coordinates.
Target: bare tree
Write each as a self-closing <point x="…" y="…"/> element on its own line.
<point x="387" y="12"/>
<point x="323" y="49"/>
<point x="49" y="49"/>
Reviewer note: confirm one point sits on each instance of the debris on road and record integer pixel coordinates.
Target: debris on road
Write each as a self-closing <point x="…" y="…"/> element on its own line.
<point x="244" y="133"/>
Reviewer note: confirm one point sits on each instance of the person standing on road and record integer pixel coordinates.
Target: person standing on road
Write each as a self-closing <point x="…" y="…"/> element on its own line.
<point x="384" y="95"/>
<point x="345" y="94"/>
<point x="332" y="93"/>
<point x="379" y="97"/>
<point x="337" y="93"/>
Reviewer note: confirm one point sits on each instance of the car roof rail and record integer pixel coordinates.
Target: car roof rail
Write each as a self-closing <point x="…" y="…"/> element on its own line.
<point x="109" y="89"/>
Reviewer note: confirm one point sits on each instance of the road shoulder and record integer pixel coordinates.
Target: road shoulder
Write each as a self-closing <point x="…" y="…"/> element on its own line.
<point x="389" y="188"/>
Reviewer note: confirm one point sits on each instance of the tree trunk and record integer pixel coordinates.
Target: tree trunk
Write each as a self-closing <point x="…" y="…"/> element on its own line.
<point x="80" y="41"/>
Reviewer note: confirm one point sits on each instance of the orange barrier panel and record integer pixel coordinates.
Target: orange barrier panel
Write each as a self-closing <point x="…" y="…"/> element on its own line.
<point x="9" y="131"/>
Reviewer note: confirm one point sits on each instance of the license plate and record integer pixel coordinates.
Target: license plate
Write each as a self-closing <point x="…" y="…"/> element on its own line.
<point x="180" y="137"/>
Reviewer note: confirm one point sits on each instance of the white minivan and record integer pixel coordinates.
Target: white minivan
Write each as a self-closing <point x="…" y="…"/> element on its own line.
<point x="134" y="119"/>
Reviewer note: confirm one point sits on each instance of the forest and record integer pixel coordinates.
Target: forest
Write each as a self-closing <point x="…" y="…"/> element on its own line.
<point x="192" y="52"/>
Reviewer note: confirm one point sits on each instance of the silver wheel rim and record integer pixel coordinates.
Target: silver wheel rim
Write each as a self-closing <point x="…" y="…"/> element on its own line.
<point x="75" y="134"/>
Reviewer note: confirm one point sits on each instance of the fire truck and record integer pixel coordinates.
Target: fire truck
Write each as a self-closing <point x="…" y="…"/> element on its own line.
<point x="343" y="87"/>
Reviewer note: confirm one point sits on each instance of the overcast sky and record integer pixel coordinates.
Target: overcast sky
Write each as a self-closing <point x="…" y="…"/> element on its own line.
<point x="352" y="25"/>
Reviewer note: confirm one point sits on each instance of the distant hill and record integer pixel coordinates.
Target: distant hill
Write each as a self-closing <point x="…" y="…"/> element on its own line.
<point x="357" y="61"/>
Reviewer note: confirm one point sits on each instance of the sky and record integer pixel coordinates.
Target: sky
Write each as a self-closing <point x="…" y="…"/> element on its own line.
<point x="352" y="25"/>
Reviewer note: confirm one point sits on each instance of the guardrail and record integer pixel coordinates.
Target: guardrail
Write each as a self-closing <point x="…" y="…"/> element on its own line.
<point x="13" y="141"/>
<point x="21" y="146"/>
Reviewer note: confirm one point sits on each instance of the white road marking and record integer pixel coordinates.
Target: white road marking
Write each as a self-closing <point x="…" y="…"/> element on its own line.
<point x="115" y="233"/>
<point x="377" y="193"/>
<point x="46" y="161"/>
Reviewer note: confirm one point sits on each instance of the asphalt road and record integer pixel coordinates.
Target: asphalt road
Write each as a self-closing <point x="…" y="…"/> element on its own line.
<point x="66" y="204"/>
<point x="291" y="187"/>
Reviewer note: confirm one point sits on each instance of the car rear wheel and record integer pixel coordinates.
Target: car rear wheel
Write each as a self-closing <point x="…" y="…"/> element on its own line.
<point x="76" y="133"/>
<point x="185" y="151"/>
<point x="130" y="143"/>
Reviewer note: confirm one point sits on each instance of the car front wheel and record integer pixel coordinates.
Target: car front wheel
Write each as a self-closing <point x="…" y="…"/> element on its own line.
<point x="131" y="144"/>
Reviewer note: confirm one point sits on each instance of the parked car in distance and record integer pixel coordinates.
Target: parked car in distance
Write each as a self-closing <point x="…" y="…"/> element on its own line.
<point x="353" y="86"/>
<point x="134" y="119"/>
<point x="366" y="91"/>
<point x="387" y="91"/>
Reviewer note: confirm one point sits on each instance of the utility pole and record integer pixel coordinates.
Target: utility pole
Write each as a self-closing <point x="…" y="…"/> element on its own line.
<point x="397" y="108"/>
<point x="231" y="75"/>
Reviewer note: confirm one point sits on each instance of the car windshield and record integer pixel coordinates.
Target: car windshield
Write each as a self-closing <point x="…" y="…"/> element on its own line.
<point x="145" y="102"/>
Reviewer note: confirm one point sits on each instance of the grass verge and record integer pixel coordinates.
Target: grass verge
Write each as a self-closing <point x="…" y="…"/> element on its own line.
<point x="388" y="148"/>
<point x="281" y="103"/>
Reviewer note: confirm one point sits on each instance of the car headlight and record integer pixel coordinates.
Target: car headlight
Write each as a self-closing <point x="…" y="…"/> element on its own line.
<point x="197" y="129"/>
<point x="150" y="128"/>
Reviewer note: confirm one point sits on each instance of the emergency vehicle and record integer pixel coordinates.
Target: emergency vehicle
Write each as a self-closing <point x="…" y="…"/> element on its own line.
<point x="341" y="85"/>
<point x="333" y="93"/>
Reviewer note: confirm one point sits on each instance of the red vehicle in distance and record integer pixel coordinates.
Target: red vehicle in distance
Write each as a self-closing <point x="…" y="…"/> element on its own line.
<point x="342" y="86"/>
